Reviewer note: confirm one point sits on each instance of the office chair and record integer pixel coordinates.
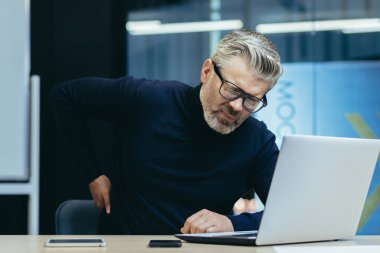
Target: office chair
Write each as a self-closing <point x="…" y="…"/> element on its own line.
<point x="76" y="217"/>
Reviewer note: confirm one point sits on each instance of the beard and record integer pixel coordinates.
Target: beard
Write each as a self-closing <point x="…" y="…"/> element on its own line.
<point x="210" y="112"/>
<point x="220" y="126"/>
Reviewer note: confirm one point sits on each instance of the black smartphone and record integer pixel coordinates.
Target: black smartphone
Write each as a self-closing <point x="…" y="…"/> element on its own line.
<point x="165" y="243"/>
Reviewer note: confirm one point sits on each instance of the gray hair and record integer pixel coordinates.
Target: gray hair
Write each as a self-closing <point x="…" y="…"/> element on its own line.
<point x="260" y="53"/>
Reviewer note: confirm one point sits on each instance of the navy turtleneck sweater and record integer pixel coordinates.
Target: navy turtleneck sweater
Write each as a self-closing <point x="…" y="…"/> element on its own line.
<point x="171" y="164"/>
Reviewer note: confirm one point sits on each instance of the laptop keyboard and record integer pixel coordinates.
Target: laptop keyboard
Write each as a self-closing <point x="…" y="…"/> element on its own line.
<point x="244" y="235"/>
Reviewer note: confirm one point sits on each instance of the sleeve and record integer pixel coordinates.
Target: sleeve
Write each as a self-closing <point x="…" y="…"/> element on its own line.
<point x="265" y="162"/>
<point x="246" y="221"/>
<point x="74" y="102"/>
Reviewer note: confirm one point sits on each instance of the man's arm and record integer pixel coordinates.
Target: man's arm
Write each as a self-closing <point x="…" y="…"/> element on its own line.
<point x="206" y="221"/>
<point x="261" y="179"/>
<point x="76" y="101"/>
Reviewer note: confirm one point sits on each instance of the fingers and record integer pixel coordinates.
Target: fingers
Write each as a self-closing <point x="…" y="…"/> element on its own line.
<point x="203" y="223"/>
<point x="206" y="221"/>
<point x="189" y="221"/>
<point x="99" y="203"/>
<point x="106" y="197"/>
<point x="202" y="226"/>
<point x="100" y="191"/>
<point x="98" y="199"/>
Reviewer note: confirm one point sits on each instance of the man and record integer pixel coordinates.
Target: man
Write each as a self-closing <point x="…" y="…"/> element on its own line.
<point x="186" y="154"/>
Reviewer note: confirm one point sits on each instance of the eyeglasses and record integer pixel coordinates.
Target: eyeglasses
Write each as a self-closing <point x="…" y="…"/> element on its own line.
<point x="231" y="91"/>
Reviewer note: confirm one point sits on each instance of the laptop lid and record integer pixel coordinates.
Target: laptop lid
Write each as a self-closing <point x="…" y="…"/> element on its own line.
<point x="318" y="189"/>
<point x="317" y="193"/>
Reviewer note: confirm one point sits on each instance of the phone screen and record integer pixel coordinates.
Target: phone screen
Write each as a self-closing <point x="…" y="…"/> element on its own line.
<point x="75" y="242"/>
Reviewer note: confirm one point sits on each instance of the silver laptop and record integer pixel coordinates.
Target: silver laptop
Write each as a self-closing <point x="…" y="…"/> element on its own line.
<point x="317" y="193"/>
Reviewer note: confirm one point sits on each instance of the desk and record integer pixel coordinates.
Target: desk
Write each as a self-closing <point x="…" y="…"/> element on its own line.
<point x="131" y="244"/>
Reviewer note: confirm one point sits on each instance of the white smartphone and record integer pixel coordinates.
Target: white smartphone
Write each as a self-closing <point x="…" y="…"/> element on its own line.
<point x="75" y="242"/>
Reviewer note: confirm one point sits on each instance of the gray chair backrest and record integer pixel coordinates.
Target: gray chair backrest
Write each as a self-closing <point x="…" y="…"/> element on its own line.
<point x="76" y="217"/>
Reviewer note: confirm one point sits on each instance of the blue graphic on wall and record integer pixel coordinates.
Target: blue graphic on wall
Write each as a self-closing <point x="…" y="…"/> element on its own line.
<point x="330" y="99"/>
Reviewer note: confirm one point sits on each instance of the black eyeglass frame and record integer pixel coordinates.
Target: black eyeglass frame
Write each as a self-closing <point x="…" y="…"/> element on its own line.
<point x="242" y="93"/>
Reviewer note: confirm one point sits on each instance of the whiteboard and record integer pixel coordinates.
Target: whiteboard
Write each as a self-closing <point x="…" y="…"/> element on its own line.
<point x="14" y="90"/>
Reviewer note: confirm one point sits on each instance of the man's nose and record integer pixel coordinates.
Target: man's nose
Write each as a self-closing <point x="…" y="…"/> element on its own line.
<point x="237" y="104"/>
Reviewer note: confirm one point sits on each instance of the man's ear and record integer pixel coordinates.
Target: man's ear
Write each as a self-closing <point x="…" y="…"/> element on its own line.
<point x="206" y="71"/>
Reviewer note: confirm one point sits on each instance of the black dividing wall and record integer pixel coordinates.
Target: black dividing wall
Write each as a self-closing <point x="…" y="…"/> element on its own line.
<point x="72" y="39"/>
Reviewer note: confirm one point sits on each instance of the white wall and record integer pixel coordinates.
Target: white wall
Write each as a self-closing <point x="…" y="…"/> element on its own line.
<point x="14" y="89"/>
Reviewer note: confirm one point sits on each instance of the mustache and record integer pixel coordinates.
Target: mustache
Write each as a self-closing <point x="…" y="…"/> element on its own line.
<point x="231" y="111"/>
<point x="227" y="109"/>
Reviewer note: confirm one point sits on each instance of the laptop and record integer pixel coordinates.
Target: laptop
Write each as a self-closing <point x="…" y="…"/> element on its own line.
<point x="317" y="193"/>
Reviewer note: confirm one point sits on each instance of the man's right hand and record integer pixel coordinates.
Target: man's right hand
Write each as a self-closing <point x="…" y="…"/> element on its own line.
<point x="100" y="191"/>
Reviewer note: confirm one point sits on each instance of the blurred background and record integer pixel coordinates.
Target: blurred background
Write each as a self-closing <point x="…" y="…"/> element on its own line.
<point x="330" y="50"/>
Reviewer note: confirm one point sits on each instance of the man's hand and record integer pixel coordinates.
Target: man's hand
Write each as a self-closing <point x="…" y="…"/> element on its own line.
<point x="100" y="191"/>
<point x="206" y="221"/>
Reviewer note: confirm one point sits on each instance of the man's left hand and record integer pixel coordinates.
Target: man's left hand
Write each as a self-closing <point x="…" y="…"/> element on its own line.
<point x="206" y="221"/>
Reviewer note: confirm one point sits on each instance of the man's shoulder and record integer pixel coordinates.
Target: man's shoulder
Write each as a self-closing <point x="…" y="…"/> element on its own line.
<point x="154" y="84"/>
<point x="156" y="93"/>
<point x="255" y="123"/>
<point x="255" y="128"/>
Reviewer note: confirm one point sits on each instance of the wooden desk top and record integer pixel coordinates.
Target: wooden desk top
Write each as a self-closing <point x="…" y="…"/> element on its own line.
<point x="138" y="244"/>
